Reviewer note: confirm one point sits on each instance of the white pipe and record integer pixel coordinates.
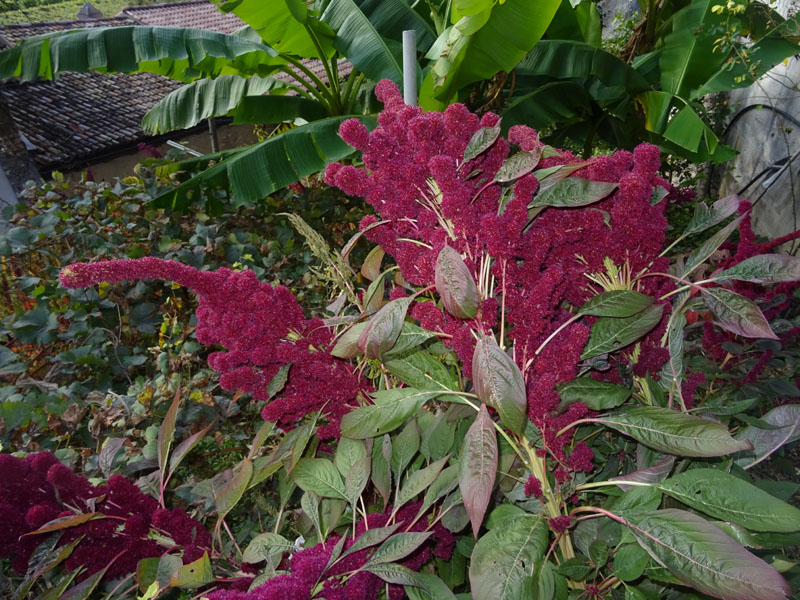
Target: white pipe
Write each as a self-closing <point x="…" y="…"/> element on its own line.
<point x="410" y="67"/>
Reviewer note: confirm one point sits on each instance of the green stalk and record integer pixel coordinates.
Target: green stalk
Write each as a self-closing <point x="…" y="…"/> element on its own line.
<point x="333" y="79"/>
<point x="321" y="87"/>
<point x="309" y="91"/>
<point x="351" y="89"/>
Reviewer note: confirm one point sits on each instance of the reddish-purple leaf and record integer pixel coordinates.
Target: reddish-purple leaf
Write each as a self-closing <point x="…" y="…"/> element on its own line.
<point x="66" y="522"/>
<point x="165" y="433"/>
<point x="455" y="284"/>
<point x="478" y="468"/>
<point x="655" y="474"/>
<point x="372" y="264"/>
<point x="737" y="314"/>
<point x="499" y="383"/>
<point x="185" y="447"/>
<point x="703" y="557"/>
<point x="383" y="328"/>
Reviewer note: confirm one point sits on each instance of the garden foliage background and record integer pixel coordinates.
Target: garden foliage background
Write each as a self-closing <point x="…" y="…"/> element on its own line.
<point x="461" y="363"/>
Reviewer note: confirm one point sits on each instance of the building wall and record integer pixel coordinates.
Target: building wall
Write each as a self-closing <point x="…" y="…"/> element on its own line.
<point x="230" y="136"/>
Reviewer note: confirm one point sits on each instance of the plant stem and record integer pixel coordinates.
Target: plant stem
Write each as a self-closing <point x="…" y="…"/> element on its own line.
<point x="597" y="484"/>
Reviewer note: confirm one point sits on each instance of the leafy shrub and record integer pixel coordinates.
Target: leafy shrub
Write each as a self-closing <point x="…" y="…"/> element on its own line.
<point x="522" y="405"/>
<point x="64" y="350"/>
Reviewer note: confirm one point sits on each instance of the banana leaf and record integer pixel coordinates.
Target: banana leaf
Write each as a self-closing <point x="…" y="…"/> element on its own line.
<point x="358" y="40"/>
<point x="565" y="60"/>
<point x="254" y="172"/>
<point x="180" y="54"/>
<point x="391" y="17"/>
<point x="579" y="23"/>
<point x="680" y="130"/>
<point x="480" y="46"/>
<point x="284" y="25"/>
<point x="775" y="46"/>
<point x="548" y="104"/>
<point x="688" y="58"/>
<point x="189" y="105"/>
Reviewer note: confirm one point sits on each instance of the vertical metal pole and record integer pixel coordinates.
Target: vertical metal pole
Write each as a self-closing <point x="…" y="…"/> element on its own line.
<point x="410" y="67"/>
<point x="212" y="131"/>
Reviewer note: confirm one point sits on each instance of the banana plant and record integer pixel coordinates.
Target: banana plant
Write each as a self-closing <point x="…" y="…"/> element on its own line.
<point x="582" y="92"/>
<point x="237" y="75"/>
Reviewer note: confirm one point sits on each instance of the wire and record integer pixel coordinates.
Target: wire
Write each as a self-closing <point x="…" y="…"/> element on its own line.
<point x="779" y="165"/>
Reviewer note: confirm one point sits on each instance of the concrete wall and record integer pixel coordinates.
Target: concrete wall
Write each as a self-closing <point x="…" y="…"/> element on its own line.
<point x="763" y="137"/>
<point x="230" y="136"/>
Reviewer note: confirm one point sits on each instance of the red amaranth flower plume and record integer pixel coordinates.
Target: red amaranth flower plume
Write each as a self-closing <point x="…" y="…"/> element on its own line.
<point x="261" y="327"/>
<point x="38" y="489"/>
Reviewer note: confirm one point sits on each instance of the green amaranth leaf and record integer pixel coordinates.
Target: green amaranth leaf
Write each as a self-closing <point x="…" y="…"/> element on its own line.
<point x="193" y="575"/>
<point x="348" y="452"/>
<point x="517" y="165"/>
<point x="705" y="217"/>
<point x="765" y="268"/>
<point x="707" y="248"/>
<point x="703" y="557"/>
<point x="391" y="409"/>
<point x="398" y="546"/>
<point x="405" y="447"/>
<point x="411" y="336"/>
<point x="571" y="192"/>
<point x="610" y="334"/>
<point x="504" y="560"/>
<point x="320" y="476"/>
<point x="418" y="482"/>
<point x="616" y="303"/>
<point x="481" y="141"/>
<point x="673" y="432"/>
<point x="421" y="370"/>
<point x="729" y="498"/>
<point x="597" y="395"/>
<point x="267" y="545"/>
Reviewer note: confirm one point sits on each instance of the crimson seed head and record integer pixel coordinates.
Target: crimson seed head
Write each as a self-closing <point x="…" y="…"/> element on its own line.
<point x="560" y="524"/>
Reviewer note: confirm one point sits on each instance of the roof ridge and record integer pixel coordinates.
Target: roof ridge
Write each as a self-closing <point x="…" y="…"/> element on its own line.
<point x="63" y="22"/>
<point x="164" y="5"/>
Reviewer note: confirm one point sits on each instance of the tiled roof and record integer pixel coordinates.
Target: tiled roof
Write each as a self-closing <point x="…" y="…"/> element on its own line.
<point x="198" y="14"/>
<point x="83" y="114"/>
<point x="80" y="114"/>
